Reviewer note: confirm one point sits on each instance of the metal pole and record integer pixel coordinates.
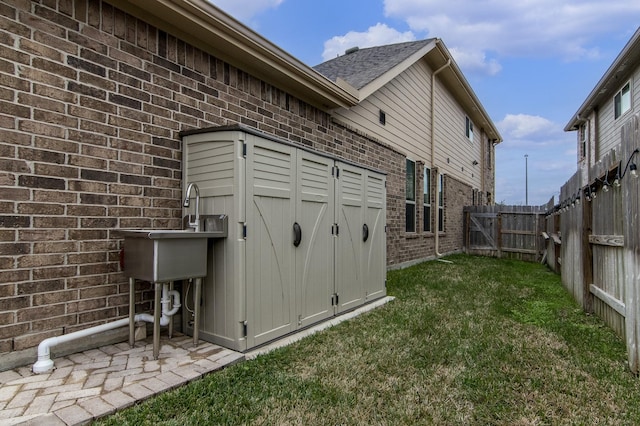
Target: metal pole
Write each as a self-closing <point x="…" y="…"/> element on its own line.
<point x="526" y="179"/>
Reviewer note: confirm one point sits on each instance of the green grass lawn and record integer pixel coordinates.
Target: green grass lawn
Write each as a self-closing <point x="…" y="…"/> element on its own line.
<point x="477" y="341"/>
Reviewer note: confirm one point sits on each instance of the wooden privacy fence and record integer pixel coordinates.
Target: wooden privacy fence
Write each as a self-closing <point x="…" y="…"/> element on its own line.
<point x="505" y="231"/>
<point x="594" y="242"/>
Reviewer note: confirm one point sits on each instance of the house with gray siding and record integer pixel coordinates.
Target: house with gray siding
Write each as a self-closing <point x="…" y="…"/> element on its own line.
<point x="609" y="105"/>
<point x="413" y="97"/>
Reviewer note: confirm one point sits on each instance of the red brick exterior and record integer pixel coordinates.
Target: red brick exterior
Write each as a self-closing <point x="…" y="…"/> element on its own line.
<point x="92" y="102"/>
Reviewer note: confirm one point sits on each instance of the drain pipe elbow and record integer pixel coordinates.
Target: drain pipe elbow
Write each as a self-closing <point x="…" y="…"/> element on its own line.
<point x="175" y="296"/>
<point x="44" y="364"/>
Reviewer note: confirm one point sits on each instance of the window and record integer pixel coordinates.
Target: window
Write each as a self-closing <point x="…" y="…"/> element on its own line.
<point x="427" y="200"/>
<point x="440" y="203"/>
<point x="469" y="128"/>
<point x="582" y="152"/>
<point x="622" y="101"/>
<point x="411" y="197"/>
<point x="382" y="117"/>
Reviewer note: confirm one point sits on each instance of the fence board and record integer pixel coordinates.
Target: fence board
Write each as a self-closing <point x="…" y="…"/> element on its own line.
<point x="607" y="240"/>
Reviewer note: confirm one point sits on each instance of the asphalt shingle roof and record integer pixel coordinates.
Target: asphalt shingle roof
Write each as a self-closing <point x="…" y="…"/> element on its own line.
<point x="361" y="67"/>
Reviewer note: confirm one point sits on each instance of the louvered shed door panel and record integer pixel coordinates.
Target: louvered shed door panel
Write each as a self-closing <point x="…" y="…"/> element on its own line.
<point x="270" y="183"/>
<point x="315" y="254"/>
<point x="350" y="218"/>
<point x="374" y="249"/>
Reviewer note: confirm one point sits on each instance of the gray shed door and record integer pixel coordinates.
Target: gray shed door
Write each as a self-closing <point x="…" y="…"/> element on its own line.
<point x="350" y="219"/>
<point x="270" y="211"/>
<point x="374" y="250"/>
<point x="315" y="197"/>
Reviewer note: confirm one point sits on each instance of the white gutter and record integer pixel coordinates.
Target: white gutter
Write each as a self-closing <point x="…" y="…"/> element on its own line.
<point x="433" y="155"/>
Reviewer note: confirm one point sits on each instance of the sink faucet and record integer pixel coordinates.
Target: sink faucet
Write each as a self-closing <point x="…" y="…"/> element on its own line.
<point x="187" y="201"/>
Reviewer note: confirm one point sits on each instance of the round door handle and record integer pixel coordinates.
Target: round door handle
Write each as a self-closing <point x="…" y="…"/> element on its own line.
<point x="365" y="232"/>
<point x="297" y="234"/>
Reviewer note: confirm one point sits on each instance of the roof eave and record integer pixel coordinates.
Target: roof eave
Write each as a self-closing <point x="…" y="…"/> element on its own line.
<point x="603" y="89"/>
<point x="210" y="29"/>
<point x="470" y="99"/>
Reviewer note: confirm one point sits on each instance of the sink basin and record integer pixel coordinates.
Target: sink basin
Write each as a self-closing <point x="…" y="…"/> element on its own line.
<point x="156" y="255"/>
<point x="161" y="255"/>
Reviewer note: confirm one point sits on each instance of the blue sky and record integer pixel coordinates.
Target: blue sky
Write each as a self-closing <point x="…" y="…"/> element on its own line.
<point x="531" y="63"/>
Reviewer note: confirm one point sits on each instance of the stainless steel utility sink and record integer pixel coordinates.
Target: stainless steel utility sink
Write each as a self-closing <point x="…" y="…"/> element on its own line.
<point x="157" y="255"/>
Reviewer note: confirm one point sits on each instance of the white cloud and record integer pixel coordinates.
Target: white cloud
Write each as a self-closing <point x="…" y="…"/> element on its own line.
<point x="551" y="158"/>
<point x="244" y="10"/>
<point x="377" y="35"/>
<point x="475" y="62"/>
<point x="482" y="30"/>
<point x="523" y="126"/>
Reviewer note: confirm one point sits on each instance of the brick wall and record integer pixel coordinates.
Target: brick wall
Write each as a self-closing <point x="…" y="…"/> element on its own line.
<point x="91" y="104"/>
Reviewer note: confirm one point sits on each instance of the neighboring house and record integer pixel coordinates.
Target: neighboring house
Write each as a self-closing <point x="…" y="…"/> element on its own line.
<point x="612" y="101"/>
<point x="414" y="97"/>
<point x="94" y="95"/>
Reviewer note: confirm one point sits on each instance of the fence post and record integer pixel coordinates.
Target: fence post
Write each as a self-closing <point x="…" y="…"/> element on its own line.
<point x="499" y="235"/>
<point x="587" y="257"/>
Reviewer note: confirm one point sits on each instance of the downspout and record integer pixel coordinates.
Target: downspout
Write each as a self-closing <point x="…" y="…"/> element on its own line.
<point x="433" y="155"/>
<point x="483" y="162"/>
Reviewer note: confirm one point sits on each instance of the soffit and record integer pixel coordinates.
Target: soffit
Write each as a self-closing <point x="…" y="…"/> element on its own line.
<point x="206" y="27"/>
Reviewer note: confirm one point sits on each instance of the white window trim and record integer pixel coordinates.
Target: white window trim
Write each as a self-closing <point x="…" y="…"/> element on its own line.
<point x="619" y="93"/>
<point x="440" y="201"/>
<point x="412" y="202"/>
<point x="426" y="201"/>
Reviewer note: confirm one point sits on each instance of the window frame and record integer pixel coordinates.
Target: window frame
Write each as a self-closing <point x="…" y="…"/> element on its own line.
<point x="619" y="98"/>
<point x="426" y="200"/>
<point x="440" y="203"/>
<point x="468" y="131"/>
<point x="410" y="204"/>
<point x="582" y="140"/>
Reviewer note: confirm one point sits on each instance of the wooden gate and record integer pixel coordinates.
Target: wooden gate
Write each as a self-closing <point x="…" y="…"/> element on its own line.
<point x="504" y="231"/>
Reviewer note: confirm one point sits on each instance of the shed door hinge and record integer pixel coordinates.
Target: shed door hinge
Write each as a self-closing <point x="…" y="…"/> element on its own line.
<point x="244" y="149"/>
<point x="244" y="328"/>
<point x="244" y="231"/>
<point x="335" y="229"/>
<point x="335" y="297"/>
<point x="335" y="172"/>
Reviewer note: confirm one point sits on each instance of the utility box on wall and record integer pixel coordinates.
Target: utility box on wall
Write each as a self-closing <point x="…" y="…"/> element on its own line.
<point x="306" y="236"/>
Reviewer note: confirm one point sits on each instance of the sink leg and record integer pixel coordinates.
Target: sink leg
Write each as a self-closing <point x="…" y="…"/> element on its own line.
<point x="132" y="311"/>
<point x="157" y="310"/>
<point x="170" y="327"/>
<point x="196" y="310"/>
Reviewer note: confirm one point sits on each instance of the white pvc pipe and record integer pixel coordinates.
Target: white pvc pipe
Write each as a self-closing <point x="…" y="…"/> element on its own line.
<point x="44" y="364"/>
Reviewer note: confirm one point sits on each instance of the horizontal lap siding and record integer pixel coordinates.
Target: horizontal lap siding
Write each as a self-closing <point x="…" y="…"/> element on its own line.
<point x="608" y="127"/>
